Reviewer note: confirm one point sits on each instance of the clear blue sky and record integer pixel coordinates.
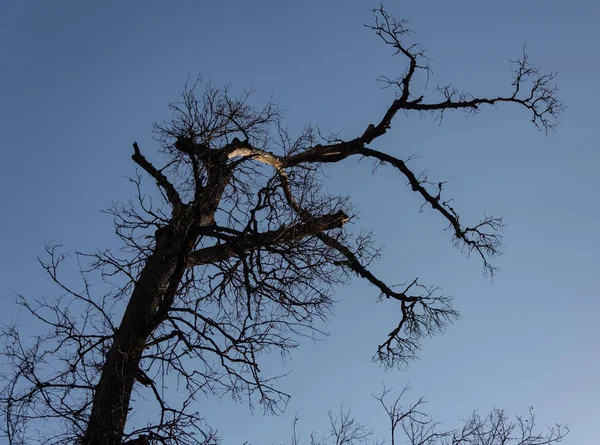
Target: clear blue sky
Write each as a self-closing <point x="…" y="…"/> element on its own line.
<point x="81" y="80"/>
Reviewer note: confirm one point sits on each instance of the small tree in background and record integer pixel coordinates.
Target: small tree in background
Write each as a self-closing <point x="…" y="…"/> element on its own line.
<point x="240" y="258"/>
<point x="413" y="427"/>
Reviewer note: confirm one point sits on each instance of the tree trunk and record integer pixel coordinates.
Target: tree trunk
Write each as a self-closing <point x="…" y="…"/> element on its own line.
<point x="113" y="392"/>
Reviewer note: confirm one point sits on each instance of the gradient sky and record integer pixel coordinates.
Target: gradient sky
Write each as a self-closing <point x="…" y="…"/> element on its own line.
<point x="80" y="81"/>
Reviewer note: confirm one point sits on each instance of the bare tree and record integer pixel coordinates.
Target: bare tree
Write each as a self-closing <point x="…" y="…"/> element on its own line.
<point x="238" y="259"/>
<point x="410" y="425"/>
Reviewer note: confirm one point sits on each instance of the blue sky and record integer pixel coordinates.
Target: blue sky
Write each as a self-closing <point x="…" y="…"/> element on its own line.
<point x="81" y="81"/>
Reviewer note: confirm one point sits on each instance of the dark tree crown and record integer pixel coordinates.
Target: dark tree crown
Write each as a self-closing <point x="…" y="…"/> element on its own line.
<point x="239" y="260"/>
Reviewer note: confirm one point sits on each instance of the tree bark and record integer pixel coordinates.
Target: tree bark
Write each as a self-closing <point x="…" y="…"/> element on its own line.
<point x="113" y="392"/>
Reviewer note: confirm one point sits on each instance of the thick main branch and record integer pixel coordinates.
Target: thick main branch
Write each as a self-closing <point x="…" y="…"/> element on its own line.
<point x="253" y="241"/>
<point x="473" y="238"/>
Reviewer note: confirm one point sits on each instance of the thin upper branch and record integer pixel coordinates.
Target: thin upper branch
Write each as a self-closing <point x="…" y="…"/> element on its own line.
<point x="532" y="89"/>
<point x="355" y="265"/>
<point x="161" y="180"/>
<point x="475" y="238"/>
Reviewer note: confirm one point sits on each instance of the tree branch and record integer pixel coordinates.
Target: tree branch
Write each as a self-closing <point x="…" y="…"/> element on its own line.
<point x="252" y="241"/>
<point x="473" y="238"/>
<point x="161" y="179"/>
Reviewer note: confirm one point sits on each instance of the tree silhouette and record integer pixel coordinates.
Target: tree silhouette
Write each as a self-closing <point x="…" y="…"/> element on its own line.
<point x="415" y="427"/>
<point x="239" y="259"/>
